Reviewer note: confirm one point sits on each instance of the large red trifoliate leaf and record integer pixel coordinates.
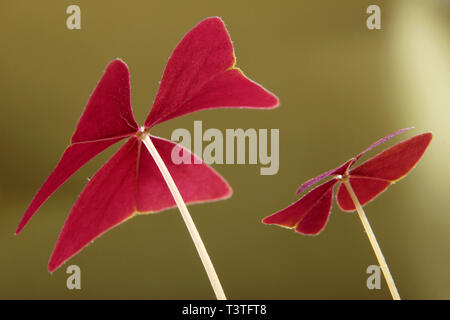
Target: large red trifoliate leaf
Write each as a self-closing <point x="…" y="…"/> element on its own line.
<point x="73" y="158"/>
<point x="367" y="180"/>
<point x="376" y="174"/>
<point x="108" y="112"/>
<point x="197" y="182"/>
<point x="107" y="200"/>
<point x="121" y="188"/>
<point x="106" y="119"/>
<point x="200" y="75"/>
<point x="309" y="214"/>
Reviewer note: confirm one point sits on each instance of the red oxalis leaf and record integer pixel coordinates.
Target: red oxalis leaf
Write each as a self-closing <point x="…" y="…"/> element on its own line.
<point x="106" y="120"/>
<point x="372" y="177"/>
<point x="200" y="75"/>
<point x="310" y="213"/>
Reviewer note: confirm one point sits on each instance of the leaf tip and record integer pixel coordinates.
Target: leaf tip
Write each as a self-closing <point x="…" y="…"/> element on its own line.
<point x="19" y="228"/>
<point x="300" y="189"/>
<point x="52" y="266"/>
<point x="265" y="220"/>
<point x="119" y="61"/>
<point x="275" y="101"/>
<point x="228" y="193"/>
<point x="268" y="220"/>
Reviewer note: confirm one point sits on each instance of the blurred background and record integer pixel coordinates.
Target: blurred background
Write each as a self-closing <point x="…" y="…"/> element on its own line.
<point x="341" y="87"/>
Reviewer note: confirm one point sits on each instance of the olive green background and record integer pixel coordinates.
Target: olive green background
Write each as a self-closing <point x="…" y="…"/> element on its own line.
<point x="341" y="87"/>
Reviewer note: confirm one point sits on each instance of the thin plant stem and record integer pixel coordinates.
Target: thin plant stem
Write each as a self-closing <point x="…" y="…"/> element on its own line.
<point x="209" y="268"/>
<point x="373" y="241"/>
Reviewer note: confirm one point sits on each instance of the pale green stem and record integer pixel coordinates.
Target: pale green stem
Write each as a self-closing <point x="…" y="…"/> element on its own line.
<point x="211" y="272"/>
<point x="373" y="241"/>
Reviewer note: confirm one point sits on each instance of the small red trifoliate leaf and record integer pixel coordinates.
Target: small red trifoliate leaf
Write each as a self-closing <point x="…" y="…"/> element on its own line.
<point x="315" y="221"/>
<point x="106" y="120"/>
<point x="344" y="167"/>
<point x="376" y="174"/>
<point x="314" y="206"/>
<point x="394" y="163"/>
<point x="367" y="180"/>
<point x="201" y="75"/>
